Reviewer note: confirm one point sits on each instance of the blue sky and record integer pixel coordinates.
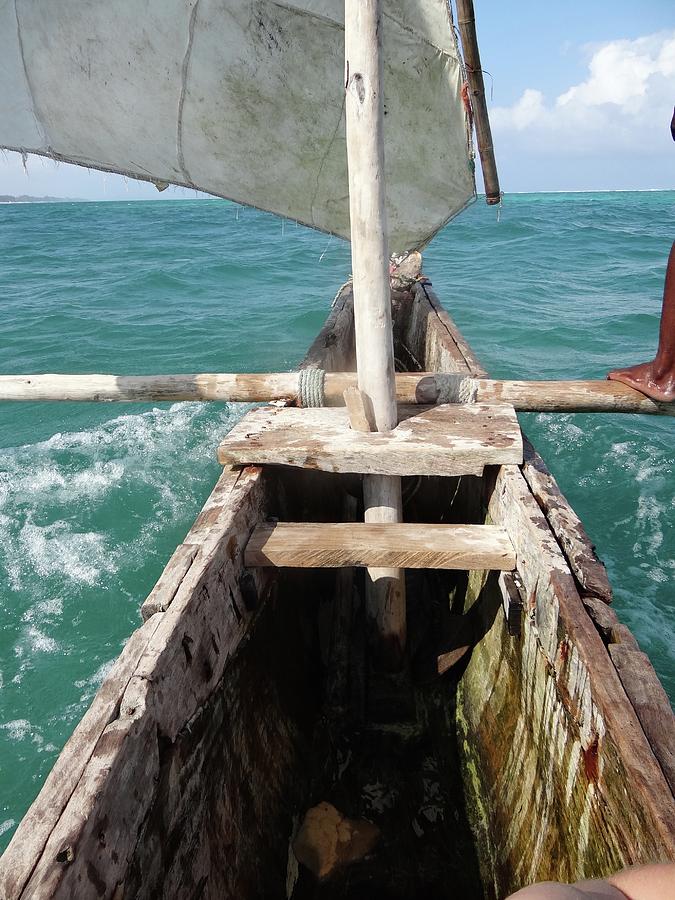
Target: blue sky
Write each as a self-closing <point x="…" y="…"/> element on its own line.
<point x="581" y="96"/>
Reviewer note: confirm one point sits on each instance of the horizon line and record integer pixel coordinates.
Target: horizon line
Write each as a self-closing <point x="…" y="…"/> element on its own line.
<point x="37" y="199"/>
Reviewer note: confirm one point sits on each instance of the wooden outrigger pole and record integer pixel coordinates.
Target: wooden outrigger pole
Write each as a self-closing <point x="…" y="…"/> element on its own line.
<point x="269" y="387"/>
<point x="364" y="118"/>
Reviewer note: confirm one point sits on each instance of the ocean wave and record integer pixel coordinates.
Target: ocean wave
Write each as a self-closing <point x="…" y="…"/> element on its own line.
<point x="617" y="471"/>
<point x="87" y="520"/>
<point x="52" y="491"/>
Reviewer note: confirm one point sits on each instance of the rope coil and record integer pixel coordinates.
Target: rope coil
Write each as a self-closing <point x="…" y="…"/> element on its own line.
<point x="311" y="387"/>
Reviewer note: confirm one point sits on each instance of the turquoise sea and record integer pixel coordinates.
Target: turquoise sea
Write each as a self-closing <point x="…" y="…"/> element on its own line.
<point x="93" y="498"/>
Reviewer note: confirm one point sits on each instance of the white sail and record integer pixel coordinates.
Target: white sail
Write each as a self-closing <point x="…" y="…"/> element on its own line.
<point x="239" y="98"/>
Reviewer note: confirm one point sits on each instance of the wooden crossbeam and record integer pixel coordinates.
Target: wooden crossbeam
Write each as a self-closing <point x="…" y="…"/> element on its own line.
<point x="453" y="439"/>
<point x="411" y="387"/>
<point x="400" y="545"/>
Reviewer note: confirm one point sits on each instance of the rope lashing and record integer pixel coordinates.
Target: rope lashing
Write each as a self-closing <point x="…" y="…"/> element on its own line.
<point x="310" y="386"/>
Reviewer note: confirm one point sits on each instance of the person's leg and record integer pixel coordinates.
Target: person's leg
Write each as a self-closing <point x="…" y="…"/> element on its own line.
<point x="652" y="882"/>
<point x="583" y="890"/>
<point x="655" y="881"/>
<point x="656" y="379"/>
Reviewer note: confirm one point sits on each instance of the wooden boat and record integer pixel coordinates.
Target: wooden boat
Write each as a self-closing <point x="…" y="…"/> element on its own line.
<point x="545" y="750"/>
<point x="500" y="725"/>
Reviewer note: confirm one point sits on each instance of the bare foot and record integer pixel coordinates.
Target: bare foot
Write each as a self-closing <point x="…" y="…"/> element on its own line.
<point x="652" y="379"/>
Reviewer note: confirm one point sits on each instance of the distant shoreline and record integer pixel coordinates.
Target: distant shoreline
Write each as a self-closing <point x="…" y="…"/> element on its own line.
<point x="9" y="199"/>
<point x="25" y="198"/>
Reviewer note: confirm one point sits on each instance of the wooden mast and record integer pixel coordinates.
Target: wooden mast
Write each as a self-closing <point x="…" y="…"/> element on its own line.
<point x="364" y="117"/>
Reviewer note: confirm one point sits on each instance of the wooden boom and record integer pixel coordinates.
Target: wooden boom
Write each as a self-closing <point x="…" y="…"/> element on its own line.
<point x="417" y="387"/>
<point x="466" y="21"/>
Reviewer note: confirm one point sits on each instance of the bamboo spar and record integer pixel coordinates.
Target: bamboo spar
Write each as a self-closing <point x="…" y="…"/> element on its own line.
<point x="466" y="21"/>
<point x="411" y="387"/>
<point x="364" y="120"/>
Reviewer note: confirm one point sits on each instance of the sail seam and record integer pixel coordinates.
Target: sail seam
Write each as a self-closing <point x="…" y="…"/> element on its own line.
<point x="33" y="105"/>
<point x="183" y="89"/>
<point x="291" y="7"/>
<point x="421" y="37"/>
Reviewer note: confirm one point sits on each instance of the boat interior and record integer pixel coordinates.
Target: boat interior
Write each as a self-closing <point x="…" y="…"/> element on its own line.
<point x="305" y="717"/>
<point x="385" y="748"/>
<point x="247" y="743"/>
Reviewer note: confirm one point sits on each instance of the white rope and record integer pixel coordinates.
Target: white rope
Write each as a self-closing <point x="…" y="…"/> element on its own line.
<point x="339" y="293"/>
<point x="310" y="386"/>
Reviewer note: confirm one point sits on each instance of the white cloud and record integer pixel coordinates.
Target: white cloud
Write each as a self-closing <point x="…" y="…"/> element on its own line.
<point x="625" y="103"/>
<point x="528" y="109"/>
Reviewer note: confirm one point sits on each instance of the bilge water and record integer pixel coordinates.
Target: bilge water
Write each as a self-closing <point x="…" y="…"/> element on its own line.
<point x="94" y="497"/>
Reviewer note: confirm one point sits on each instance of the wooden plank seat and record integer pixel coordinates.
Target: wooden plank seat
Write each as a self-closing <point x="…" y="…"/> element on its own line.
<point x="449" y="439"/>
<point x="401" y="545"/>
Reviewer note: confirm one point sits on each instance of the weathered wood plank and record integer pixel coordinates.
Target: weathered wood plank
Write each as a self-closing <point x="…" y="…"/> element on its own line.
<point x="603" y="617"/>
<point x="154" y="674"/>
<point x="205" y="622"/>
<point x="333" y="347"/>
<point x="169" y="581"/>
<point x="113" y="751"/>
<point x="650" y="702"/>
<point x="441" y="440"/>
<point x="444" y="337"/>
<point x="360" y="416"/>
<point x="587" y="679"/>
<point x="89" y="850"/>
<point x="230" y="782"/>
<point x="201" y="536"/>
<point x="400" y="545"/>
<point x="207" y="527"/>
<point x="512" y="602"/>
<point x="587" y="568"/>
<point x="28" y="842"/>
<point x="528" y="721"/>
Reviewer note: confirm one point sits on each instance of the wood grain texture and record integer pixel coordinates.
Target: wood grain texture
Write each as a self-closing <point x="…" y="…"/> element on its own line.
<point x="103" y="781"/>
<point x="512" y="602"/>
<point x="161" y="695"/>
<point x="579" y="551"/>
<point x="410" y="387"/>
<point x="402" y="545"/>
<point x="549" y="801"/>
<point x="169" y="581"/>
<point x="441" y="440"/>
<point x="158" y="388"/>
<point x="466" y="22"/>
<point x="106" y="778"/>
<point x="28" y="842"/>
<point x="364" y="132"/>
<point x="443" y="338"/>
<point x="571" y="396"/>
<point x="333" y="347"/>
<point x="650" y="702"/>
<point x="568" y="762"/>
<point x="360" y="416"/>
<point x="544" y="717"/>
